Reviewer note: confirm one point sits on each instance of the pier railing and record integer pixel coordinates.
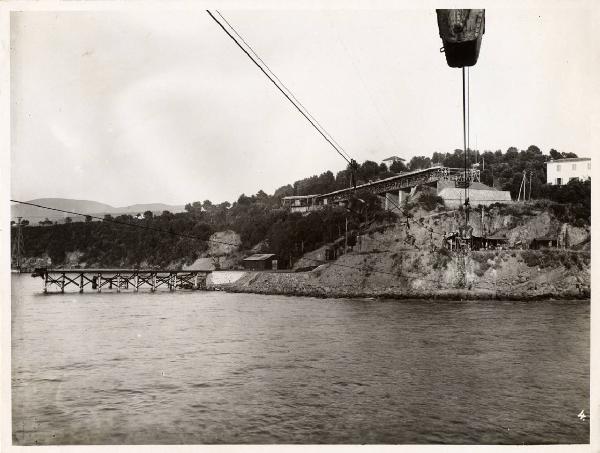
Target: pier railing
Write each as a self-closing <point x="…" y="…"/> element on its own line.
<point x="121" y="279"/>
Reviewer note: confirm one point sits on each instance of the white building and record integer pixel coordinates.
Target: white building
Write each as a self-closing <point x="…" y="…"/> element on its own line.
<point x="559" y="172"/>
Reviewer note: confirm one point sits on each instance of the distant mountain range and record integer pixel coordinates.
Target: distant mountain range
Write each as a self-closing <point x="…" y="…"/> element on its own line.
<point x="86" y="207"/>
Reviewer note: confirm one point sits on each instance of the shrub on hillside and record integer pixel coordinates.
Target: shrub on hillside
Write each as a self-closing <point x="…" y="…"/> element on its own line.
<point x="440" y="258"/>
<point x="531" y="258"/>
<point x="484" y="261"/>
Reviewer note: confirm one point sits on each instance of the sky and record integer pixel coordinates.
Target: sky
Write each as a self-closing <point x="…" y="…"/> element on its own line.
<point x="143" y="106"/>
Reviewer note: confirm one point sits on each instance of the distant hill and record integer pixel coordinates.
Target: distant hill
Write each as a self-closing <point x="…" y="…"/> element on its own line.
<point x="35" y="215"/>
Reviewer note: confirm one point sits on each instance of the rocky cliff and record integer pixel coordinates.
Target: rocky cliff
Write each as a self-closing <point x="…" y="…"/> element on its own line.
<point x="408" y="261"/>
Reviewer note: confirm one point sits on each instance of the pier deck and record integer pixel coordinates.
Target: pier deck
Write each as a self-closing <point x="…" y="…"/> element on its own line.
<point x="119" y="279"/>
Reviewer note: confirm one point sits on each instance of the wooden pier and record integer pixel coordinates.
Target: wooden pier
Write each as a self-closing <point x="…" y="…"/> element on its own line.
<point x="121" y="279"/>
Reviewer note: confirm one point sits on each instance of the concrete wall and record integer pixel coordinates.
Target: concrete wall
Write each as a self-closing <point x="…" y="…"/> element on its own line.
<point x="223" y="277"/>
<point x="565" y="170"/>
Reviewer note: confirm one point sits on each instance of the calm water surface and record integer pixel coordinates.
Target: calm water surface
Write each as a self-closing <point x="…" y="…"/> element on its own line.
<point x="208" y="367"/>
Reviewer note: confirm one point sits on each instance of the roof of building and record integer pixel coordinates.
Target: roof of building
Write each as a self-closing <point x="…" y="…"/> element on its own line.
<point x="481" y="186"/>
<point x="393" y="158"/>
<point x="569" y="159"/>
<point x="299" y="197"/>
<point x="259" y="257"/>
<point x="473" y="186"/>
<point x="452" y="193"/>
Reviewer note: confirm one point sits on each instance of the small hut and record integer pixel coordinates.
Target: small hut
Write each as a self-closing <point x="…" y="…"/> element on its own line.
<point x="261" y="262"/>
<point x="544" y="243"/>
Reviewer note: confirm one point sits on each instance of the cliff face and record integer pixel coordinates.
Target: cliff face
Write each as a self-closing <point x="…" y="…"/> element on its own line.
<point x="408" y="262"/>
<point x="482" y="275"/>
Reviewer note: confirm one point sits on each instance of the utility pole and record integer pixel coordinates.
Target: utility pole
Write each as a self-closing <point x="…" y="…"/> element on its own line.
<point x="530" y="176"/>
<point x="482" y="223"/>
<point x="346" y="238"/>
<point x="523" y="187"/>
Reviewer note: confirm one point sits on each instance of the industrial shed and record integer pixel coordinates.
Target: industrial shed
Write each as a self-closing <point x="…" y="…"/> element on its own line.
<point x="261" y="262"/>
<point x="479" y="194"/>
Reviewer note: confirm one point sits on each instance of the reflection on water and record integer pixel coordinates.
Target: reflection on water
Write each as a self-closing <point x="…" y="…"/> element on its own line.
<point x="205" y="367"/>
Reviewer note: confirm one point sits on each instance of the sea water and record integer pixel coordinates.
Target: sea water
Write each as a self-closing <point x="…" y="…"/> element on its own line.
<point x="212" y="367"/>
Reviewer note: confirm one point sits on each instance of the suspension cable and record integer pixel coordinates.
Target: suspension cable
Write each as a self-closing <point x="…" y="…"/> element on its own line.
<point x="282" y="84"/>
<point x="465" y="143"/>
<point x="289" y="98"/>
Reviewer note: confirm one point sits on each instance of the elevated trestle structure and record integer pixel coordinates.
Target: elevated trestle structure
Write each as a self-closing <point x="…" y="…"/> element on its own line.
<point x="393" y="189"/>
<point x="404" y="181"/>
<point x="120" y="279"/>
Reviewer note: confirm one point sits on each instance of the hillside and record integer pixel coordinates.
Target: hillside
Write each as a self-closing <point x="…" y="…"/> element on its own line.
<point x="258" y="223"/>
<point x="35" y="215"/>
<point x="395" y="261"/>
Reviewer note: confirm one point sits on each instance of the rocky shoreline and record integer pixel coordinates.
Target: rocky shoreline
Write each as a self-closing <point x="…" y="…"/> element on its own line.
<point x="507" y="277"/>
<point x="441" y="296"/>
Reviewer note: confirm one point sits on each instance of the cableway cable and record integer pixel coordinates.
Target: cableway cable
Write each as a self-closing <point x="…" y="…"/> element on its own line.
<point x="282" y="84"/>
<point x="278" y="87"/>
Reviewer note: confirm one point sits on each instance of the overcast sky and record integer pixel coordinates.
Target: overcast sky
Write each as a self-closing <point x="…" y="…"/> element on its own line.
<point x="133" y="107"/>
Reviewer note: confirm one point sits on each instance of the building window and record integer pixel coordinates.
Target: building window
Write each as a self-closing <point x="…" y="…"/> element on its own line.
<point x="574" y="167"/>
<point x="557" y="167"/>
<point x="558" y="181"/>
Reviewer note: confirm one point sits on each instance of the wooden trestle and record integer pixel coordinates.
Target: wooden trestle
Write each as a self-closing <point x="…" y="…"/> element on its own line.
<point x="118" y="279"/>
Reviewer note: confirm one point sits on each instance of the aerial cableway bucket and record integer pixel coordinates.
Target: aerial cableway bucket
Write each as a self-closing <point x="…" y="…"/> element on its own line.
<point x="461" y="31"/>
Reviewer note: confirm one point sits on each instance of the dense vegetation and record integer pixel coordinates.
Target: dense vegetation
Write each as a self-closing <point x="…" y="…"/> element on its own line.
<point x="161" y="240"/>
<point x="261" y="221"/>
<point x="503" y="171"/>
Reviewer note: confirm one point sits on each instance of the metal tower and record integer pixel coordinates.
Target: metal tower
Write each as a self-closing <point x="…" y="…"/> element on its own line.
<point x="18" y="248"/>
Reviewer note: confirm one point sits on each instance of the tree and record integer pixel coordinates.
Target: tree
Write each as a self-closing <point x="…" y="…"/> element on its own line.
<point x="88" y="218"/>
<point x="12" y="222"/>
<point x="555" y="154"/>
<point x="108" y="218"/>
<point x="534" y="150"/>
<point x="398" y="167"/>
<point x="68" y="220"/>
<point x="24" y="222"/>
<point x="284" y="191"/>
<point x="261" y="196"/>
<point x="368" y="171"/>
<point x="244" y="200"/>
<point x="419" y="163"/>
<point x="148" y="215"/>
